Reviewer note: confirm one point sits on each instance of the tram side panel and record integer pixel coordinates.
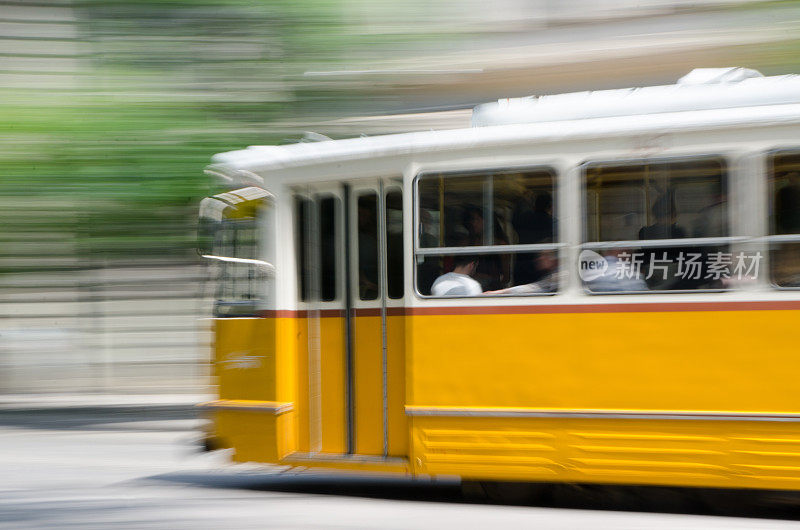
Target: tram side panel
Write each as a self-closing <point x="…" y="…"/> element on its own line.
<point x="333" y="406"/>
<point x="480" y="383"/>
<point x="397" y="421"/>
<point x="256" y="414"/>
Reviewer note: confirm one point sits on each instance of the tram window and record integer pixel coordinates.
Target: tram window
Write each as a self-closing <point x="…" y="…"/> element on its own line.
<point x="243" y="275"/>
<point x="328" y="248"/>
<point x="302" y="212"/>
<point x="238" y="282"/>
<point x="394" y="244"/>
<point x="488" y="209"/>
<point x="321" y="214"/>
<point x="460" y="274"/>
<point x="368" y="282"/>
<point x="645" y="202"/>
<point x="785" y="219"/>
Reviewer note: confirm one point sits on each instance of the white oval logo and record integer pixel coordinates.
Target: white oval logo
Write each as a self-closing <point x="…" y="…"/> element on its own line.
<point x="240" y="360"/>
<point x="591" y="265"/>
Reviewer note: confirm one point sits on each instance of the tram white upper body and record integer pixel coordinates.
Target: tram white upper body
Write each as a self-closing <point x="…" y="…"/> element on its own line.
<point x="711" y="98"/>
<point x="702" y="89"/>
<point x="732" y="113"/>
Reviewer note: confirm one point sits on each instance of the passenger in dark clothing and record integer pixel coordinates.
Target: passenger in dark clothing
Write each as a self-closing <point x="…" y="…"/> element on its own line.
<point x="536" y="225"/>
<point x="787" y="206"/>
<point x="664" y="227"/>
<point x="533" y="226"/>
<point x="492" y="268"/>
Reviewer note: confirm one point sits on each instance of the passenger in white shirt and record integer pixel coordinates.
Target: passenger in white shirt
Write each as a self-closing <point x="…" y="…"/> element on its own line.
<point x="460" y="281"/>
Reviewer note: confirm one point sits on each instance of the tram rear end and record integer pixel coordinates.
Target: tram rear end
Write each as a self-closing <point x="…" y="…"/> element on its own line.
<point x="253" y="368"/>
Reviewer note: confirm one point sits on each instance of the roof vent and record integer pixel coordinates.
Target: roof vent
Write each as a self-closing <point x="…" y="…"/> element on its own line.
<point x="711" y="76"/>
<point x="311" y="136"/>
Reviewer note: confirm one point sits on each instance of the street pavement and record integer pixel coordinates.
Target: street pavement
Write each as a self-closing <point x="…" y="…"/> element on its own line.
<point x="97" y="468"/>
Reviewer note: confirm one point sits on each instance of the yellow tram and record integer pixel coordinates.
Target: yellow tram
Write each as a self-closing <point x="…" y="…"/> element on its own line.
<point x="596" y="287"/>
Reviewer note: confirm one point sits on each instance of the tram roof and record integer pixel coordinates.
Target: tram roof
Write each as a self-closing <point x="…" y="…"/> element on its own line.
<point x="700" y="89"/>
<point x="704" y="98"/>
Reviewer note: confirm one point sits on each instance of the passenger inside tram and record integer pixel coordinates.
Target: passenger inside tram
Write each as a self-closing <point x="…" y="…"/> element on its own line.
<point x="650" y="201"/>
<point x="611" y="280"/>
<point x="458" y="282"/>
<point x="492" y="269"/>
<point x="787" y="204"/>
<point x="488" y="210"/>
<point x="785" y="255"/>
<point x="546" y="263"/>
<point x="655" y="201"/>
<point x="712" y="219"/>
<point x="665" y="226"/>
<point x="533" y="224"/>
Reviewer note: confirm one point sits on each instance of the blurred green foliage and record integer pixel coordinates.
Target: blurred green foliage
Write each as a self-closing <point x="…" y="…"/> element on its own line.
<point x="118" y="150"/>
<point x="107" y="153"/>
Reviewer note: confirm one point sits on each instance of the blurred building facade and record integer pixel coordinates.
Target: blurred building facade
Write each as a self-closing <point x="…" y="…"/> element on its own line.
<point x="109" y="110"/>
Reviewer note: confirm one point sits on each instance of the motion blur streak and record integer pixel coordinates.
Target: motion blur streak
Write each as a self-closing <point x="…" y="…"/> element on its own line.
<point x="110" y="109"/>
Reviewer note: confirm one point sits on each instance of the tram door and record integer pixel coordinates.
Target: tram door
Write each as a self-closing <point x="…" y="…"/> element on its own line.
<point x="321" y="361"/>
<point x="377" y="333"/>
<point x="351" y="367"/>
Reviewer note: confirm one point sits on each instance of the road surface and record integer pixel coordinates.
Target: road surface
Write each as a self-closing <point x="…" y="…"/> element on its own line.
<point x="77" y="469"/>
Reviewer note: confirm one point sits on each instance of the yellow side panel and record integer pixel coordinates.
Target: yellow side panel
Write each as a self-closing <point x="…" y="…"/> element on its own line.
<point x="368" y="375"/>
<point x="706" y="361"/>
<point x="245" y="358"/>
<point x="286" y="365"/>
<point x="286" y="374"/>
<point x="255" y="360"/>
<point x="332" y="362"/>
<point x="396" y="360"/>
<point x="256" y="436"/>
<point x="321" y="413"/>
<point x="696" y="453"/>
<point x="481" y="448"/>
<point x="301" y="403"/>
<point x="721" y="361"/>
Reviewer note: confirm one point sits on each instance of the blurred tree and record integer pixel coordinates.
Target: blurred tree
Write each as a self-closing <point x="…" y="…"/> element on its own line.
<point x="160" y="86"/>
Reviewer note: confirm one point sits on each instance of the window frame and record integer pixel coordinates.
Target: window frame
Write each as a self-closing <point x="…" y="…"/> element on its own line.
<point x="226" y="282"/>
<point x="387" y="189"/>
<point x="584" y="244"/>
<point x="301" y="218"/>
<point x="357" y="195"/>
<point x="312" y="254"/>
<point x="558" y="245"/>
<point x="336" y="209"/>
<point x="769" y="238"/>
